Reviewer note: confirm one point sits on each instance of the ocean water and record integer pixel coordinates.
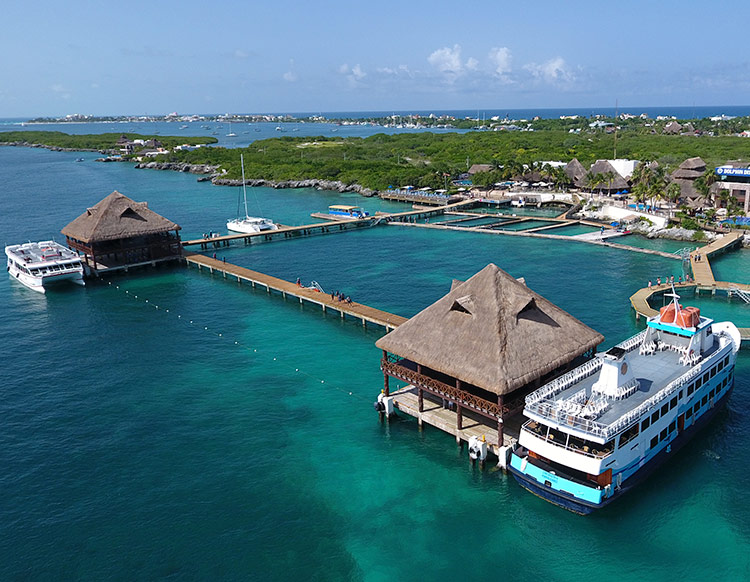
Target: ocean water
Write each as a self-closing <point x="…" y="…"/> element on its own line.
<point x="171" y="424"/>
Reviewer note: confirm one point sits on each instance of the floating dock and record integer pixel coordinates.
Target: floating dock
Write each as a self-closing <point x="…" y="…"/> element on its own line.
<point x="359" y="311"/>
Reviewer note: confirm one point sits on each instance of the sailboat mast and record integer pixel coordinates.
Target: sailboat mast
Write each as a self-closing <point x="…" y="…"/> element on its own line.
<point x="244" y="188"/>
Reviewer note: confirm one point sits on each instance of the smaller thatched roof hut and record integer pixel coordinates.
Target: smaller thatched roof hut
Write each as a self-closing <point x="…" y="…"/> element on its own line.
<point x="117" y="217"/>
<point x="118" y="232"/>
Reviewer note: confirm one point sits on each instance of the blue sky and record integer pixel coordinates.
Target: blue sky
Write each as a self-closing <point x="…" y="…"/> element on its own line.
<point x="305" y="56"/>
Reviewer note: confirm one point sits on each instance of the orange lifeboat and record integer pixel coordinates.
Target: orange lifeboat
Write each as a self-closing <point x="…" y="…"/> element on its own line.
<point x="688" y="317"/>
<point x="667" y="313"/>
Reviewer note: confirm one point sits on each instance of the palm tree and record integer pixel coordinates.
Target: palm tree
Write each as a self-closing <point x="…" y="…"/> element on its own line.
<point x="702" y="185"/>
<point x="672" y="195"/>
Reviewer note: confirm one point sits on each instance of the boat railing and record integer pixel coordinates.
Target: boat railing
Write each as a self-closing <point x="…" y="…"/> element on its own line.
<point x="583" y="371"/>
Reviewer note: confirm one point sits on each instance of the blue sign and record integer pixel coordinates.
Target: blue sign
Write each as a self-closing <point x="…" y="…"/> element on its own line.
<point x="733" y="172"/>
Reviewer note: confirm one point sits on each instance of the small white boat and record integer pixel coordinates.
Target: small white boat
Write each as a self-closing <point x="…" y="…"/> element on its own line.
<point x="249" y="224"/>
<point x="37" y="265"/>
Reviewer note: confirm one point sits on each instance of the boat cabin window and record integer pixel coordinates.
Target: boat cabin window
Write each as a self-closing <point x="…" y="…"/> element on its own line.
<point x="673" y="403"/>
<point x="655" y="417"/>
<point x="665" y="409"/>
<point x="689" y="413"/>
<point x="629" y="435"/>
<point x="537" y="428"/>
<point x="705" y="377"/>
<point x="691" y="389"/>
<point x="663" y="434"/>
<point x="672" y="426"/>
<point x="654" y="442"/>
<point x="704" y="401"/>
<point x="646" y="423"/>
<point x="698" y="383"/>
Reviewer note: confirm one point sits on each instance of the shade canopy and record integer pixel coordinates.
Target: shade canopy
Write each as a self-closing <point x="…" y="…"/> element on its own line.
<point x="493" y="332"/>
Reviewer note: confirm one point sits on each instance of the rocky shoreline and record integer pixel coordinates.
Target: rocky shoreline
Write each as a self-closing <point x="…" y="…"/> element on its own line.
<point x="25" y="144"/>
<point x="210" y="174"/>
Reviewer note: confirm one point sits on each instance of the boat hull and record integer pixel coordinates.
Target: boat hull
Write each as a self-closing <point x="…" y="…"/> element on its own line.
<point x="582" y="507"/>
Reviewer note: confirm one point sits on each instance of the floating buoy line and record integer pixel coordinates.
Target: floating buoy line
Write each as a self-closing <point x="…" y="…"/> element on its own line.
<point x="279" y="360"/>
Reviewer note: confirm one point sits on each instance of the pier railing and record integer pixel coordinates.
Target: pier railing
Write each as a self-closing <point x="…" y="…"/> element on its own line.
<point x="443" y="390"/>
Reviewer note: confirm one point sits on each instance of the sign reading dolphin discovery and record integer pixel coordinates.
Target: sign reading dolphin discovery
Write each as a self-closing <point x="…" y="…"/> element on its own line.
<point x="724" y="171"/>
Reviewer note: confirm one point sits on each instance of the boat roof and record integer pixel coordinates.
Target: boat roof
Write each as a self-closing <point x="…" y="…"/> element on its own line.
<point x="678" y="329"/>
<point x="655" y="373"/>
<point x="343" y="207"/>
<point x="41" y="252"/>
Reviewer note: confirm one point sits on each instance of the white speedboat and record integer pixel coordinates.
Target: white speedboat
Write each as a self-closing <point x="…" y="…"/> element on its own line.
<point x="39" y="264"/>
<point x="249" y="224"/>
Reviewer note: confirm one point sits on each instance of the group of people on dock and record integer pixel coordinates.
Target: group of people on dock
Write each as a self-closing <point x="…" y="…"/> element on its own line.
<point x="669" y="280"/>
<point x="338" y="296"/>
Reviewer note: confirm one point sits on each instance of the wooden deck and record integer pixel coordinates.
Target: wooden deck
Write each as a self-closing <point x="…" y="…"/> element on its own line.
<point x="407" y="401"/>
<point x="359" y="311"/>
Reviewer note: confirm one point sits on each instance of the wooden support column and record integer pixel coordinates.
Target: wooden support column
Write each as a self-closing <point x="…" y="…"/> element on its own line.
<point x="385" y="376"/>
<point x="500" y="434"/>
<point x="420" y="396"/>
<point x="459" y="419"/>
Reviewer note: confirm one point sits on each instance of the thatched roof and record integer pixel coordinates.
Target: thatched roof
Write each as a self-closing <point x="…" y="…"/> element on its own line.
<point x="475" y="168"/>
<point x="604" y="167"/>
<point x="116" y="217"/>
<point x="686" y="174"/>
<point x="576" y="172"/>
<point x="493" y="332"/>
<point x="693" y="164"/>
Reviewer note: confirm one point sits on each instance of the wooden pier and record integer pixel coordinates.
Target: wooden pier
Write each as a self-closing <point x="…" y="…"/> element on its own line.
<point x="359" y="311"/>
<point x="329" y="226"/>
<point x="703" y="279"/>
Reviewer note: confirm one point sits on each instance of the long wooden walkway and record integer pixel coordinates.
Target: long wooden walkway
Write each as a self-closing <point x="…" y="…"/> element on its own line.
<point x="329" y="226"/>
<point x="699" y="258"/>
<point x="362" y="312"/>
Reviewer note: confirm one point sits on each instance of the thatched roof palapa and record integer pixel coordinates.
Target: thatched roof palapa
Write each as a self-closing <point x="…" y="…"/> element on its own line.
<point x="493" y="332"/>
<point x="603" y="167"/>
<point x="576" y="172"/>
<point x="115" y="217"/>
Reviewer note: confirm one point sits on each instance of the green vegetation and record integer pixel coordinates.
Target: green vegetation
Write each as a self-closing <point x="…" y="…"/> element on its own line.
<point x="424" y="159"/>
<point x="97" y="141"/>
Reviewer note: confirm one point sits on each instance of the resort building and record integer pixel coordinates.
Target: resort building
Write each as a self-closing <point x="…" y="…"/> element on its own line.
<point x="479" y="350"/>
<point x="735" y="177"/>
<point x="685" y="176"/>
<point x="118" y="233"/>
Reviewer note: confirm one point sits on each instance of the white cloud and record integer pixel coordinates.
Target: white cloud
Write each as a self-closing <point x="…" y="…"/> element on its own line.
<point x="240" y="54"/>
<point x="500" y="58"/>
<point x="289" y="76"/>
<point x="554" y="70"/>
<point x="353" y="74"/>
<point x="400" y="70"/>
<point x="447" y="60"/>
<point x="472" y="64"/>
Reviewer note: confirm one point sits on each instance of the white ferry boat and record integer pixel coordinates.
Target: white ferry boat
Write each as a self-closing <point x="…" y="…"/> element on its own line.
<point x="595" y="432"/>
<point x="249" y="224"/>
<point x="37" y="265"/>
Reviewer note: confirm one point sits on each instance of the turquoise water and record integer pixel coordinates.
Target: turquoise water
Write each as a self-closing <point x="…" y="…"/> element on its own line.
<point x="526" y="225"/>
<point x="217" y="432"/>
<point x="572" y="230"/>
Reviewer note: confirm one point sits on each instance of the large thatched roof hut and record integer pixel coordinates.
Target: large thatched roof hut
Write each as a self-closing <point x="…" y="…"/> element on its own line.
<point x="685" y="176"/>
<point x="119" y="232"/>
<point x="489" y="337"/>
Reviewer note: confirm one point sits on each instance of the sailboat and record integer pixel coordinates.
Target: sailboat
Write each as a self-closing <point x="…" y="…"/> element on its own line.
<point x="248" y="224"/>
<point x="231" y="133"/>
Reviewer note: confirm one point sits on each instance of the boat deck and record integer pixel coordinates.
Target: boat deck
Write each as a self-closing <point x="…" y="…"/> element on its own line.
<point x="654" y="372"/>
<point x="37" y="253"/>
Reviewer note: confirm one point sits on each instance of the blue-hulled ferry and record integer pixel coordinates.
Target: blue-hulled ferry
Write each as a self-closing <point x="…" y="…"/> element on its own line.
<point x="595" y="432"/>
